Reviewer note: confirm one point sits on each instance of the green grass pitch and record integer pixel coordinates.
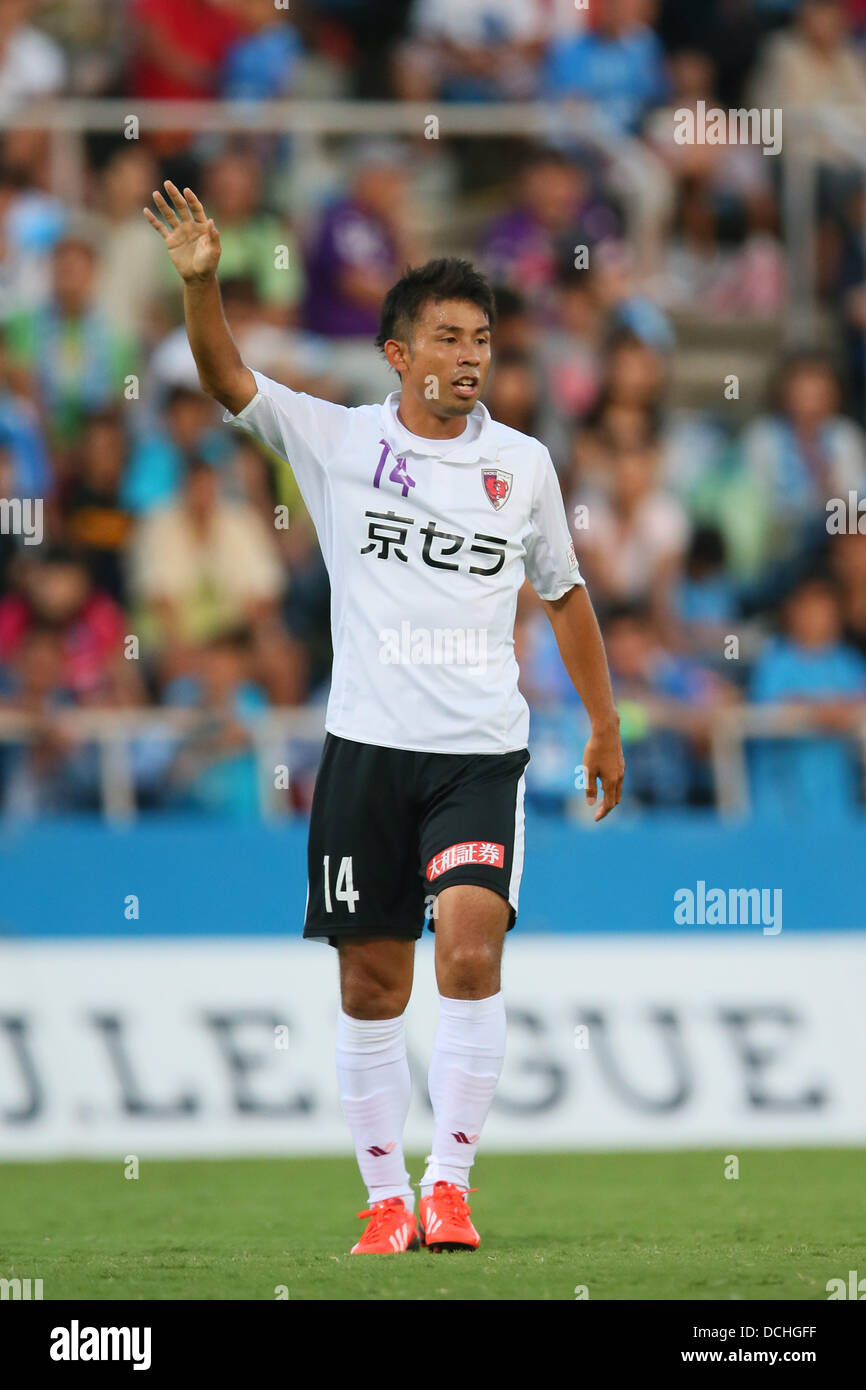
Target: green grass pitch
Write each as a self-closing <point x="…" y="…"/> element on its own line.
<point x="645" y="1225"/>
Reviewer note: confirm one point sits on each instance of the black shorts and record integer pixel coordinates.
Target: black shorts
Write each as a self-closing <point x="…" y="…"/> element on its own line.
<point x="390" y="827"/>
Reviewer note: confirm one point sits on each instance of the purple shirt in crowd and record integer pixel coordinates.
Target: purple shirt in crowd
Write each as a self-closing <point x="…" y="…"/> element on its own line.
<point x="349" y="238"/>
<point x="520" y="251"/>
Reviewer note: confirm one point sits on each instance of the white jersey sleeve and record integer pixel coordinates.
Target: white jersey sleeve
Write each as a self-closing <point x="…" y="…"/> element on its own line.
<point x="551" y="563"/>
<point x="302" y="429"/>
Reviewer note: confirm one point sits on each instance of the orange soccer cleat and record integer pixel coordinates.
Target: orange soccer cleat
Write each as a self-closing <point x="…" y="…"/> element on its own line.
<point x="444" y="1219"/>
<point x="391" y="1230"/>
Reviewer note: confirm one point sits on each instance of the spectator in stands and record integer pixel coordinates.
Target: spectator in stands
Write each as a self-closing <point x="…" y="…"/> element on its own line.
<point x="358" y="250"/>
<point x="848" y="567"/>
<point x="65" y="353"/>
<point x="188" y="426"/>
<point x="619" y="67"/>
<point x="848" y="298"/>
<point x="571" y="359"/>
<point x="512" y="395"/>
<point x="34" y="218"/>
<point x="666" y="706"/>
<point x="636" y="373"/>
<point x="800" y="456"/>
<point x="609" y="430"/>
<point x="21" y="438"/>
<point x="705" y="599"/>
<point x="300" y="360"/>
<point x="703" y="275"/>
<point x="178" y="50"/>
<point x="635" y="537"/>
<point x="31" y="64"/>
<point x="262" y="64"/>
<point x="517" y="328"/>
<point x="131" y="273"/>
<point x="56" y="591"/>
<point x="200" y="566"/>
<point x="33" y="775"/>
<point x="815" y="66"/>
<point x="703" y="467"/>
<point x="627" y="413"/>
<point x="254" y="242"/>
<point x="214" y="770"/>
<point x="24" y="271"/>
<point x="359" y="247"/>
<point x="734" y="172"/>
<point x="98" y="525"/>
<point x="485" y="51"/>
<point x="727" y="31"/>
<point x="629" y="311"/>
<point x="812" y="64"/>
<point x="810" y="665"/>
<point x="554" y="212"/>
<point x="32" y="681"/>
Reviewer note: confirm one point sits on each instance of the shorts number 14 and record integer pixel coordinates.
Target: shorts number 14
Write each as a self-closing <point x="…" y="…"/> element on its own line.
<point x="344" y="892"/>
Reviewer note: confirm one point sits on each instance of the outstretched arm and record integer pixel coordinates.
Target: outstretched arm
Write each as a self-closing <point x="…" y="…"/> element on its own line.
<point x="193" y="243"/>
<point x="579" y="640"/>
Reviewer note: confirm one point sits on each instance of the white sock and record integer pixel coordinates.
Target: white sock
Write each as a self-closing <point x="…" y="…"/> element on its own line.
<point x="374" y="1085"/>
<point x="467" y="1058"/>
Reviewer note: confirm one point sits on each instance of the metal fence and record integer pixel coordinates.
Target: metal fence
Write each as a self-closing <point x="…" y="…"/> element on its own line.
<point x="274" y="733"/>
<point x="311" y="123"/>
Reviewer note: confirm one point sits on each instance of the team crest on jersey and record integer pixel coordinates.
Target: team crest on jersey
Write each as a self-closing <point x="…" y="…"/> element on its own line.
<point x="497" y="485"/>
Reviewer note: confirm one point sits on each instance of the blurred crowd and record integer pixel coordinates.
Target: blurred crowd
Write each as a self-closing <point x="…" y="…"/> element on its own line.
<point x="178" y="568"/>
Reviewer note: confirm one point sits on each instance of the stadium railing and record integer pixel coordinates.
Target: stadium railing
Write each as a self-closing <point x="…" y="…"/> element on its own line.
<point x="272" y="734"/>
<point x="309" y="123"/>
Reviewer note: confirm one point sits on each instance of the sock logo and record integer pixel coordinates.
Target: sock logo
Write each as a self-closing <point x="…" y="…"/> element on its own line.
<point x="380" y="1153"/>
<point x="465" y="1138"/>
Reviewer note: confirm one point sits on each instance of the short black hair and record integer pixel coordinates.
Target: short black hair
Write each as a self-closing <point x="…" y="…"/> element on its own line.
<point x="445" y="278"/>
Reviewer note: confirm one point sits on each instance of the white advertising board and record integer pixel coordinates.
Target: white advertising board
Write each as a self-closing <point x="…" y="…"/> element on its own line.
<point x="197" y="1046"/>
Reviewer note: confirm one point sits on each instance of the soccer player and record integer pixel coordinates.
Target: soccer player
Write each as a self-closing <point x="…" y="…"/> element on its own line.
<point x="429" y="515"/>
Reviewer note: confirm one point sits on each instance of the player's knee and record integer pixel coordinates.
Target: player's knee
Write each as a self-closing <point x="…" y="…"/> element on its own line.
<point x="372" y="991"/>
<point x="470" y="970"/>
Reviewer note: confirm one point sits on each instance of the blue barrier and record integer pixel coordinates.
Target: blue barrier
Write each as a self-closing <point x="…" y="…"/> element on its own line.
<point x="73" y="879"/>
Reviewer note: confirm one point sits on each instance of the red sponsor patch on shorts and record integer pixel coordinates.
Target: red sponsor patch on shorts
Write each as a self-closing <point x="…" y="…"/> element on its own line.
<point x="467" y="852"/>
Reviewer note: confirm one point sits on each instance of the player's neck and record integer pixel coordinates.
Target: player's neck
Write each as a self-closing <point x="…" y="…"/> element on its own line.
<point x="424" y="423"/>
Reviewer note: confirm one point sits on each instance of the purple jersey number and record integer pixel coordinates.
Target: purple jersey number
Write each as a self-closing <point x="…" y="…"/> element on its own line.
<point x="398" y="473"/>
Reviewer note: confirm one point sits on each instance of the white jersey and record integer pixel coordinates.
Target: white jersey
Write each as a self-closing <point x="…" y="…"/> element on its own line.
<point x="427" y="543"/>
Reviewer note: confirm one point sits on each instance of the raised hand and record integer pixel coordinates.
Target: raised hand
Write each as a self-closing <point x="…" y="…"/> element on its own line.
<point x="191" y="239"/>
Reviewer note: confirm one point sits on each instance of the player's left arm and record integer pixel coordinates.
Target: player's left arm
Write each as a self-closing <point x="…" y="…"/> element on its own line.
<point x="578" y="637"/>
<point x="552" y="570"/>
